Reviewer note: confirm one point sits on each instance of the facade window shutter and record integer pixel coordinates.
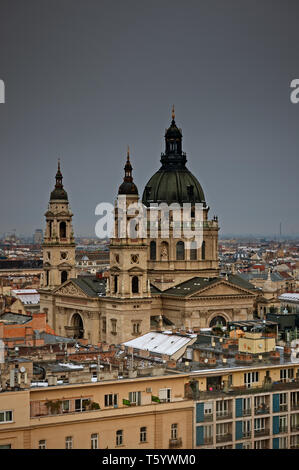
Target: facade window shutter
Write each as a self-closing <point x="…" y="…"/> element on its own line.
<point x="199" y="412"/>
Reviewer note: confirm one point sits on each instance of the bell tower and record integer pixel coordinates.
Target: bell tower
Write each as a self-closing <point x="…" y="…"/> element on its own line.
<point x="128" y="251"/>
<point x="128" y="297"/>
<point x="59" y="244"/>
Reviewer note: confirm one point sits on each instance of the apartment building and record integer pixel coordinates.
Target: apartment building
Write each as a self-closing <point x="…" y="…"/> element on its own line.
<point x="257" y="407"/>
<point x="146" y="413"/>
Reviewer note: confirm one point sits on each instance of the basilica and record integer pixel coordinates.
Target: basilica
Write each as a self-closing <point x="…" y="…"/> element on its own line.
<point x="154" y="282"/>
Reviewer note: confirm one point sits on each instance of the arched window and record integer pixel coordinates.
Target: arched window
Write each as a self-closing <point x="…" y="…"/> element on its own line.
<point x="153" y="250"/>
<point x="135" y="285"/>
<point x="63" y="276"/>
<point x="62" y="230"/>
<point x="218" y="321"/>
<point x="77" y="323"/>
<point x="203" y="250"/>
<point x="180" y="250"/>
<point x="193" y="251"/>
<point x="47" y="278"/>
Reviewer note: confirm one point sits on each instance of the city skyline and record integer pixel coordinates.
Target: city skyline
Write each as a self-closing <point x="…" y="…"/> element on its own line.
<point x="227" y="70"/>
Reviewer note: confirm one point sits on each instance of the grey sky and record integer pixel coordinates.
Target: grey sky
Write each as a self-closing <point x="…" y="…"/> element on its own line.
<point x="85" y="78"/>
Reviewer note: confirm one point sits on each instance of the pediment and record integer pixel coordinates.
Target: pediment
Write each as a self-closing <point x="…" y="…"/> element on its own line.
<point x="64" y="264"/>
<point x="69" y="288"/>
<point x="222" y="288"/>
<point x="115" y="268"/>
<point x="135" y="269"/>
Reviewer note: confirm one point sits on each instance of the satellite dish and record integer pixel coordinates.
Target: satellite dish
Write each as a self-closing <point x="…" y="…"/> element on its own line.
<point x="206" y="360"/>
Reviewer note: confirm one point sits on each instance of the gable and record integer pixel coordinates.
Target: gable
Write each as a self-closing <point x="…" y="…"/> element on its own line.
<point x="70" y="289"/>
<point x="222" y="288"/>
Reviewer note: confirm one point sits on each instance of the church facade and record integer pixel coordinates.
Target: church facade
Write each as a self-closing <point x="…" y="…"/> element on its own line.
<point x="155" y="281"/>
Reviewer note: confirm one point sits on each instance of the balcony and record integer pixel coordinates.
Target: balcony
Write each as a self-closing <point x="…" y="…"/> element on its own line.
<point x="175" y="443"/>
<point x="262" y="410"/>
<point x="208" y="417"/>
<point x="208" y="441"/>
<point x="294" y="427"/>
<point x="283" y="408"/>
<point x="223" y="438"/>
<point x="294" y="406"/>
<point x="261" y="432"/>
<point x="283" y="429"/>
<point x="246" y="412"/>
<point x="223" y="415"/>
<point x="246" y="435"/>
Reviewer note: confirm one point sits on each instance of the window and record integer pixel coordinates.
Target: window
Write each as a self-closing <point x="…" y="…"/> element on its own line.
<point x="62" y="230"/>
<point x="111" y="399"/>
<point x="115" y="284"/>
<point x="246" y="406"/>
<point x="135" y="285"/>
<point x="113" y="326"/>
<point x="260" y="405"/>
<point x="246" y="428"/>
<point x="261" y="444"/>
<point x="221" y="408"/>
<point x="42" y="444"/>
<point x="283" y="423"/>
<point x="5" y="416"/>
<point x="222" y="429"/>
<point x="283" y="442"/>
<point x="136" y="328"/>
<point x="69" y="442"/>
<point x="104" y="325"/>
<point x="259" y="425"/>
<point x="63" y="276"/>
<point x="135" y="398"/>
<point x="94" y="441"/>
<point x="65" y="406"/>
<point x="250" y="378"/>
<point x="283" y="401"/>
<point x="246" y="445"/>
<point x="153" y="250"/>
<point x="193" y="251"/>
<point x="203" y="250"/>
<point x="180" y="251"/>
<point x="165" y="394"/>
<point x="143" y="434"/>
<point x="208" y="411"/>
<point x="295" y="400"/>
<point x="286" y="375"/>
<point x="119" y="437"/>
<point x="81" y="404"/>
<point x="208" y="434"/>
<point x="174" y="431"/>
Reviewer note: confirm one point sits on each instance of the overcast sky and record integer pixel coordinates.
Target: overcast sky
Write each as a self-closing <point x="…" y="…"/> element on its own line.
<point x="86" y="78"/>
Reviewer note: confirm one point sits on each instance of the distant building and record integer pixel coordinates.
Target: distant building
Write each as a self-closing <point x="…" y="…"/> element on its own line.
<point x="38" y="237"/>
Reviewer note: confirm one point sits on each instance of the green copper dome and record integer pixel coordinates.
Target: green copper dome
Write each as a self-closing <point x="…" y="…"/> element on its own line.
<point x="173" y="186"/>
<point x="173" y="182"/>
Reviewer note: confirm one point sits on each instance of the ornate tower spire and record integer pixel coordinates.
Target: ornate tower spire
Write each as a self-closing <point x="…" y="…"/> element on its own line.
<point x="128" y="186"/>
<point x="59" y="192"/>
<point x="173" y="157"/>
